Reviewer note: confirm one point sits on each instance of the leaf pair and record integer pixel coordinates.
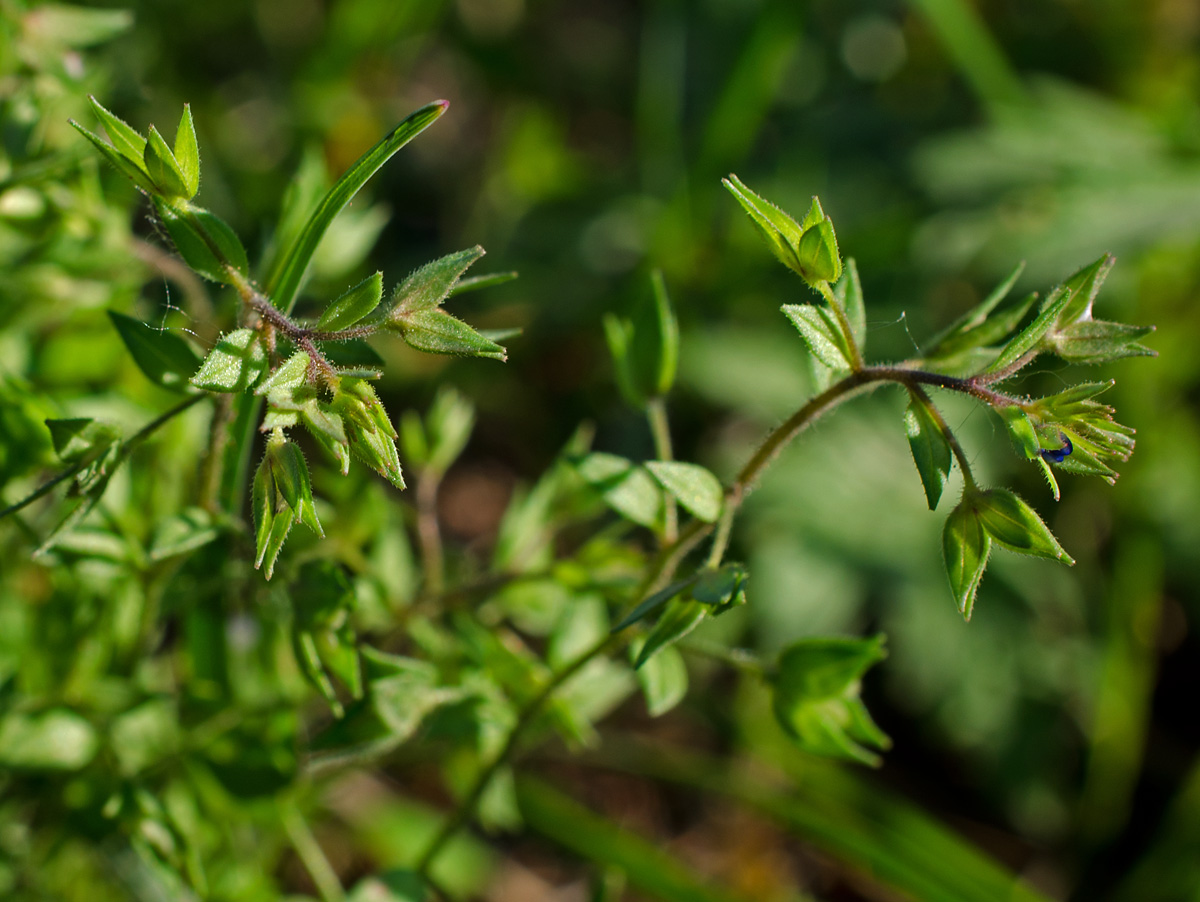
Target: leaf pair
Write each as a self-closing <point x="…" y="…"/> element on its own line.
<point x="816" y="699"/>
<point x="808" y="248"/>
<point x="415" y="310"/>
<point x="282" y="497"/>
<point x="980" y="518"/>
<point x="153" y="166"/>
<point x="645" y="349"/>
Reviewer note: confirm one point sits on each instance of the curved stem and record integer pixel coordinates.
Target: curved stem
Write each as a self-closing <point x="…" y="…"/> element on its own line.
<point x="856" y="358"/>
<point x="671" y="555"/>
<point x="956" y="447"/>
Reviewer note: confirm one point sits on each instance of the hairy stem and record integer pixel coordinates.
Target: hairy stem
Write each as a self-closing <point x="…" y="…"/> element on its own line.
<point x="671" y="556"/>
<point x="856" y="359"/>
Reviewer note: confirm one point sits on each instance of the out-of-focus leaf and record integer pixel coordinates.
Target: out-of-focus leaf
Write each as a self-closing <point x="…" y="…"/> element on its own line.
<point x="58" y="739"/>
<point x="678" y="619"/>
<point x="698" y="490"/>
<point x="663" y="678"/>
<point x="626" y="488"/>
<point x="166" y="358"/>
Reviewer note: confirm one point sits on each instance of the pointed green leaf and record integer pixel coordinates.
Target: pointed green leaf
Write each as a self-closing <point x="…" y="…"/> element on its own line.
<point x="678" y="619"/>
<point x="817" y="683"/>
<point x="205" y="242"/>
<point x="430" y="285"/>
<point x="262" y="509"/>
<point x="1097" y="341"/>
<point x="1013" y="523"/>
<point x="1031" y="337"/>
<point x="1084" y="285"/>
<point x="160" y="163"/>
<point x="964" y="331"/>
<point x="1020" y="430"/>
<point x="187" y="152"/>
<point x="848" y="293"/>
<point x="627" y="488"/>
<point x="818" y="253"/>
<point x="654" y="347"/>
<point x="166" y="358"/>
<point x="653" y="603"/>
<point x="294" y="483"/>
<point x="965" y="547"/>
<point x="663" y="679"/>
<point x="290" y="375"/>
<point x="475" y="283"/>
<point x="781" y="232"/>
<point x="235" y="364"/>
<point x="352" y="306"/>
<point x="80" y="439"/>
<point x="125" y="139"/>
<point x="722" y="588"/>
<point x="930" y="450"/>
<point x="449" y="423"/>
<point x="698" y="490"/>
<point x="437" y="332"/>
<point x="281" y="525"/>
<point x="619" y="335"/>
<point x="132" y="171"/>
<point x="295" y="261"/>
<point x="821" y="332"/>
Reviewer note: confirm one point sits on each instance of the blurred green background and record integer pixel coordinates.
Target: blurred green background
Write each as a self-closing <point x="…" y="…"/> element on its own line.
<point x="584" y="145"/>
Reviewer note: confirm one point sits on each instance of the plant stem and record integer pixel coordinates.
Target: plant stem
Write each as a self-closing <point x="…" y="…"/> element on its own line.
<point x="309" y="850"/>
<point x="429" y="533"/>
<point x="671" y="555"/>
<point x="660" y="429"/>
<point x="856" y="359"/>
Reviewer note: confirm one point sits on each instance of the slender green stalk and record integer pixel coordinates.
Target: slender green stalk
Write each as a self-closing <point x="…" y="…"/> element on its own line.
<point x="672" y="555"/>
<point x="856" y="358"/>
<point x="429" y="533"/>
<point x="660" y="429"/>
<point x="951" y="439"/>
<point x="309" y="850"/>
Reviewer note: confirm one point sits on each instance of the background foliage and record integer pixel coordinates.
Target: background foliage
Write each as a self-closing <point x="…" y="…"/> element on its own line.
<point x="584" y="146"/>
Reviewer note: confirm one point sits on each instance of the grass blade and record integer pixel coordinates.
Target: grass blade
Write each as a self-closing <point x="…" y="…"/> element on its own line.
<point x="287" y="279"/>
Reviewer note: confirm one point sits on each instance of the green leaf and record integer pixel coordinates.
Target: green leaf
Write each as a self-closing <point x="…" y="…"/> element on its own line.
<point x="353" y="305"/>
<point x="205" y="242"/>
<point x="822" y="333"/>
<point x="781" y="232"/>
<point x="125" y="139"/>
<point x="678" y="619"/>
<point x="618" y="333"/>
<point x="58" y="739"/>
<point x="160" y="163"/>
<point x="816" y="701"/>
<point x="282" y="384"/>
<point x="183" y="533"/>
<point x="627" y="488"/>
<point x="71" y="26"/>
<point x="390" y="886"/>
<point x="698" y="490"/>
<point x="131" y="170"/>
<point x="475" y="283"/>
<point x="262" y="509"/>
<point x="1083" y="286"/>
<point x="722" y="588"/>
<point x="1031" y="337"/>
<point x="437" y="332"/>
<point x="654" y="344"/>
<point x="663" y="679"/>
<point x="1020" y="430"/>
<point x="653" y="603"/>
<point x="449" y="423"/>
<point x="80" y="439"/>
<point x="294" y="483"/>
<point x="930" y="449"/>
<point x="965" y="547"/>
<point x="848" y="293"/>
<point x="430" y="285"/>
<point x="166" y="358"/>
<point x="235" y="364"/>
<point x="187" y="152"/>
<point x="818" y="252"/>
<point x="1013" y="523"/>
<point x="1097" y="341"/>
<point x="977" y="326"/>
<point x="295" y="261"/>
